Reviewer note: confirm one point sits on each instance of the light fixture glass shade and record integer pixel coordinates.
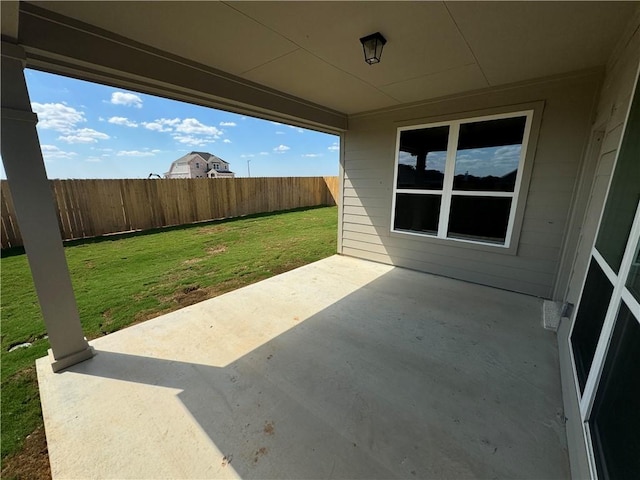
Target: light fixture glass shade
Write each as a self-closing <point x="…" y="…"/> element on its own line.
<point x="372" y="47"/>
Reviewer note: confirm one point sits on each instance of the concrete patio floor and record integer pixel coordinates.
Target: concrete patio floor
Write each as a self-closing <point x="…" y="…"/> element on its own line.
<point x="340" y="369"/>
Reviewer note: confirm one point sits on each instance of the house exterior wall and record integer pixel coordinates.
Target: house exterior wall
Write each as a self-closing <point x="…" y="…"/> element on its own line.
<point x="198" y="168"/>
<point x="532" y="266"/>
<point x="614" y="101"/>
<point x="180" y="171"/>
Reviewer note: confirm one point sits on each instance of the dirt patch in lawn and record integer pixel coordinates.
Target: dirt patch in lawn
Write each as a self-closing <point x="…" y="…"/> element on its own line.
<point x="189" y="295"/>
<point x="212" y="229"/>
<point x="31" y="461"/>
<point x="216" y="249"/>
<point x="107" y="321"/>
<point x="191" y="261"/>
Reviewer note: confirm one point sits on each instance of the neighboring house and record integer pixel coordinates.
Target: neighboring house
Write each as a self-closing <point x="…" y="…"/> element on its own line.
<point x="199" y="165"/>
<point x="495" y="143"/>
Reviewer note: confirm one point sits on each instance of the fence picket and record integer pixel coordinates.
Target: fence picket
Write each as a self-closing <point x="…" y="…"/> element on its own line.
<point x="89" y="208"/>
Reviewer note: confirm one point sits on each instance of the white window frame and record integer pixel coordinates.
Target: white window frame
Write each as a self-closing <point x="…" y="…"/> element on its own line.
<point x="448" y="192"/>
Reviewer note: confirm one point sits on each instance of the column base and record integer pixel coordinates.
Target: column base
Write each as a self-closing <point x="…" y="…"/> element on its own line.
<point x="64" y="362"/>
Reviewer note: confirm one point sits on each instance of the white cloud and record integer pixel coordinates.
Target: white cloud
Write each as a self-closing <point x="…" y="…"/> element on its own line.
<point x="264" y="153"/>
<point x="57" y="116"/>
<point x="193" y="126"/>
<point x="297" y="129"/>
<point x="156" y="127"/>
<point x="247" y="155"/>
<point x="335" y="146"/>
<point x="126" y="99"/>
<point x="188" y="131"/>
<point x="279" y="133"/>
<point x="508" y="151"/>
<point x="227" y="124"/>
<point x="84" y="135"/>
<point x="51" y="151"/>
<point x="281" y="149"/>
<point x="134" y="153"/>
<point x="193" y="141"/>
<point x="312" y="155"/>
<point x="226" y="140"/>
<point x="92" y="160"/>
<point x="155" y="150"/>
<point x="124" y="121"/>
<point x="162" y="124"/>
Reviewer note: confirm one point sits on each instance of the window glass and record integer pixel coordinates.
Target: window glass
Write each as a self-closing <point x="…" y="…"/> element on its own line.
<point x="624" y="193"/>
<point x="633" y="280"/>
<point x="421" y="158"/>
<point x="589" y="320"/>
<point x="455" y="167"/>
<point x="479" y="218"/>
<point x="417" y="213"/>
<point x="615" y="420"/>
<point x="488" y="155"/>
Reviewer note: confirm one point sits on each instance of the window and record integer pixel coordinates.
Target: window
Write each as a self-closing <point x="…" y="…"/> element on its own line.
<point x="615" y="417"/>
<point x="216" y="166"/>
<point x="197" y="165"/>
<point x="460" y="180"/>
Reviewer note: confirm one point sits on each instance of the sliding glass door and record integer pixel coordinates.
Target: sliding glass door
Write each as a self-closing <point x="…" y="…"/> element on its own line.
<point x="605" y="336"/>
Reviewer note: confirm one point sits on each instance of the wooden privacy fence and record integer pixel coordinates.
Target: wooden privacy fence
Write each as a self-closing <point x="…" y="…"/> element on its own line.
<point x="89" y="208"/>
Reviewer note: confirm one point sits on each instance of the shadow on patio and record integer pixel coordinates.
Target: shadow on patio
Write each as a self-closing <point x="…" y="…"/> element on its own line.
<point x="340" y="369"/>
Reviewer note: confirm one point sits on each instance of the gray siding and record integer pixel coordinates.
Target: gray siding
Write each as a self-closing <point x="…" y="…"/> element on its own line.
<point x="368" y="187"/>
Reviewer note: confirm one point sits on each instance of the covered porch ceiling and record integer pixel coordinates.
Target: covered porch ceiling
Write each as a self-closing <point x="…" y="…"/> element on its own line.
<point x="308" y="53"/>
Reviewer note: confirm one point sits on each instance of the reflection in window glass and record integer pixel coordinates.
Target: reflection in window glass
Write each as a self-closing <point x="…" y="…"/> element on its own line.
<point x="489" y="154"/>
<point x="615" y="420"/>
<point x="633" y="280"/>
<point x="467" y="170"/>
<point x="417" y="213"/>
<point x="624" y="193"/>
<point x="479" y="218"/>
<point x="422" y="157"/>
<point x="589" y="320"/>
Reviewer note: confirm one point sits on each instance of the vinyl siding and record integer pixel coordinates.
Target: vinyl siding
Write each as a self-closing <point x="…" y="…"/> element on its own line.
<point x="369" y="155"/>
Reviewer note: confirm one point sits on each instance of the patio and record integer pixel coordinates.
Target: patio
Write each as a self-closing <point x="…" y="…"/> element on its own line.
<point x="340" y="369"/>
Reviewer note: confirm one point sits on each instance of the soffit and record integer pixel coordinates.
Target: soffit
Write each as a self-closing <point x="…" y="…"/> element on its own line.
<point x="311" y="49"/>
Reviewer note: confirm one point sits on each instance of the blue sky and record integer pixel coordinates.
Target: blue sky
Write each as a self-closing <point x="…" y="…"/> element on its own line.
<point x="88" y="130"/>
<point x="481" y="162"/>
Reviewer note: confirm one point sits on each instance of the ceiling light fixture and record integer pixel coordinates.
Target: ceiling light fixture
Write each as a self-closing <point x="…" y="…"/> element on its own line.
<point x="372" y="47"/>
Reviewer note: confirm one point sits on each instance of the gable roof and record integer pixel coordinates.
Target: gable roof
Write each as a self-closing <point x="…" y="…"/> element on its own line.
<point x="186" y="159"/>
<point x="204" y="155"/>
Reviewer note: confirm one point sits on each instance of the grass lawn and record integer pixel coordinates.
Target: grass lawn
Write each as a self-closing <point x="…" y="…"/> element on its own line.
<point x="121" y="280"/>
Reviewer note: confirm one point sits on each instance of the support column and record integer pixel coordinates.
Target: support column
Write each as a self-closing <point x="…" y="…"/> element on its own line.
<point x="36" y="215"/>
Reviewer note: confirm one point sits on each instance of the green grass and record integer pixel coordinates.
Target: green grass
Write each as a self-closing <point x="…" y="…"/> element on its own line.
<point x="121" y="280"/>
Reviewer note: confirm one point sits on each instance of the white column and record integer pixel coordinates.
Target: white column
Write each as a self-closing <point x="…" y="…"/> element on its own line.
<point x="36" y="215"/>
